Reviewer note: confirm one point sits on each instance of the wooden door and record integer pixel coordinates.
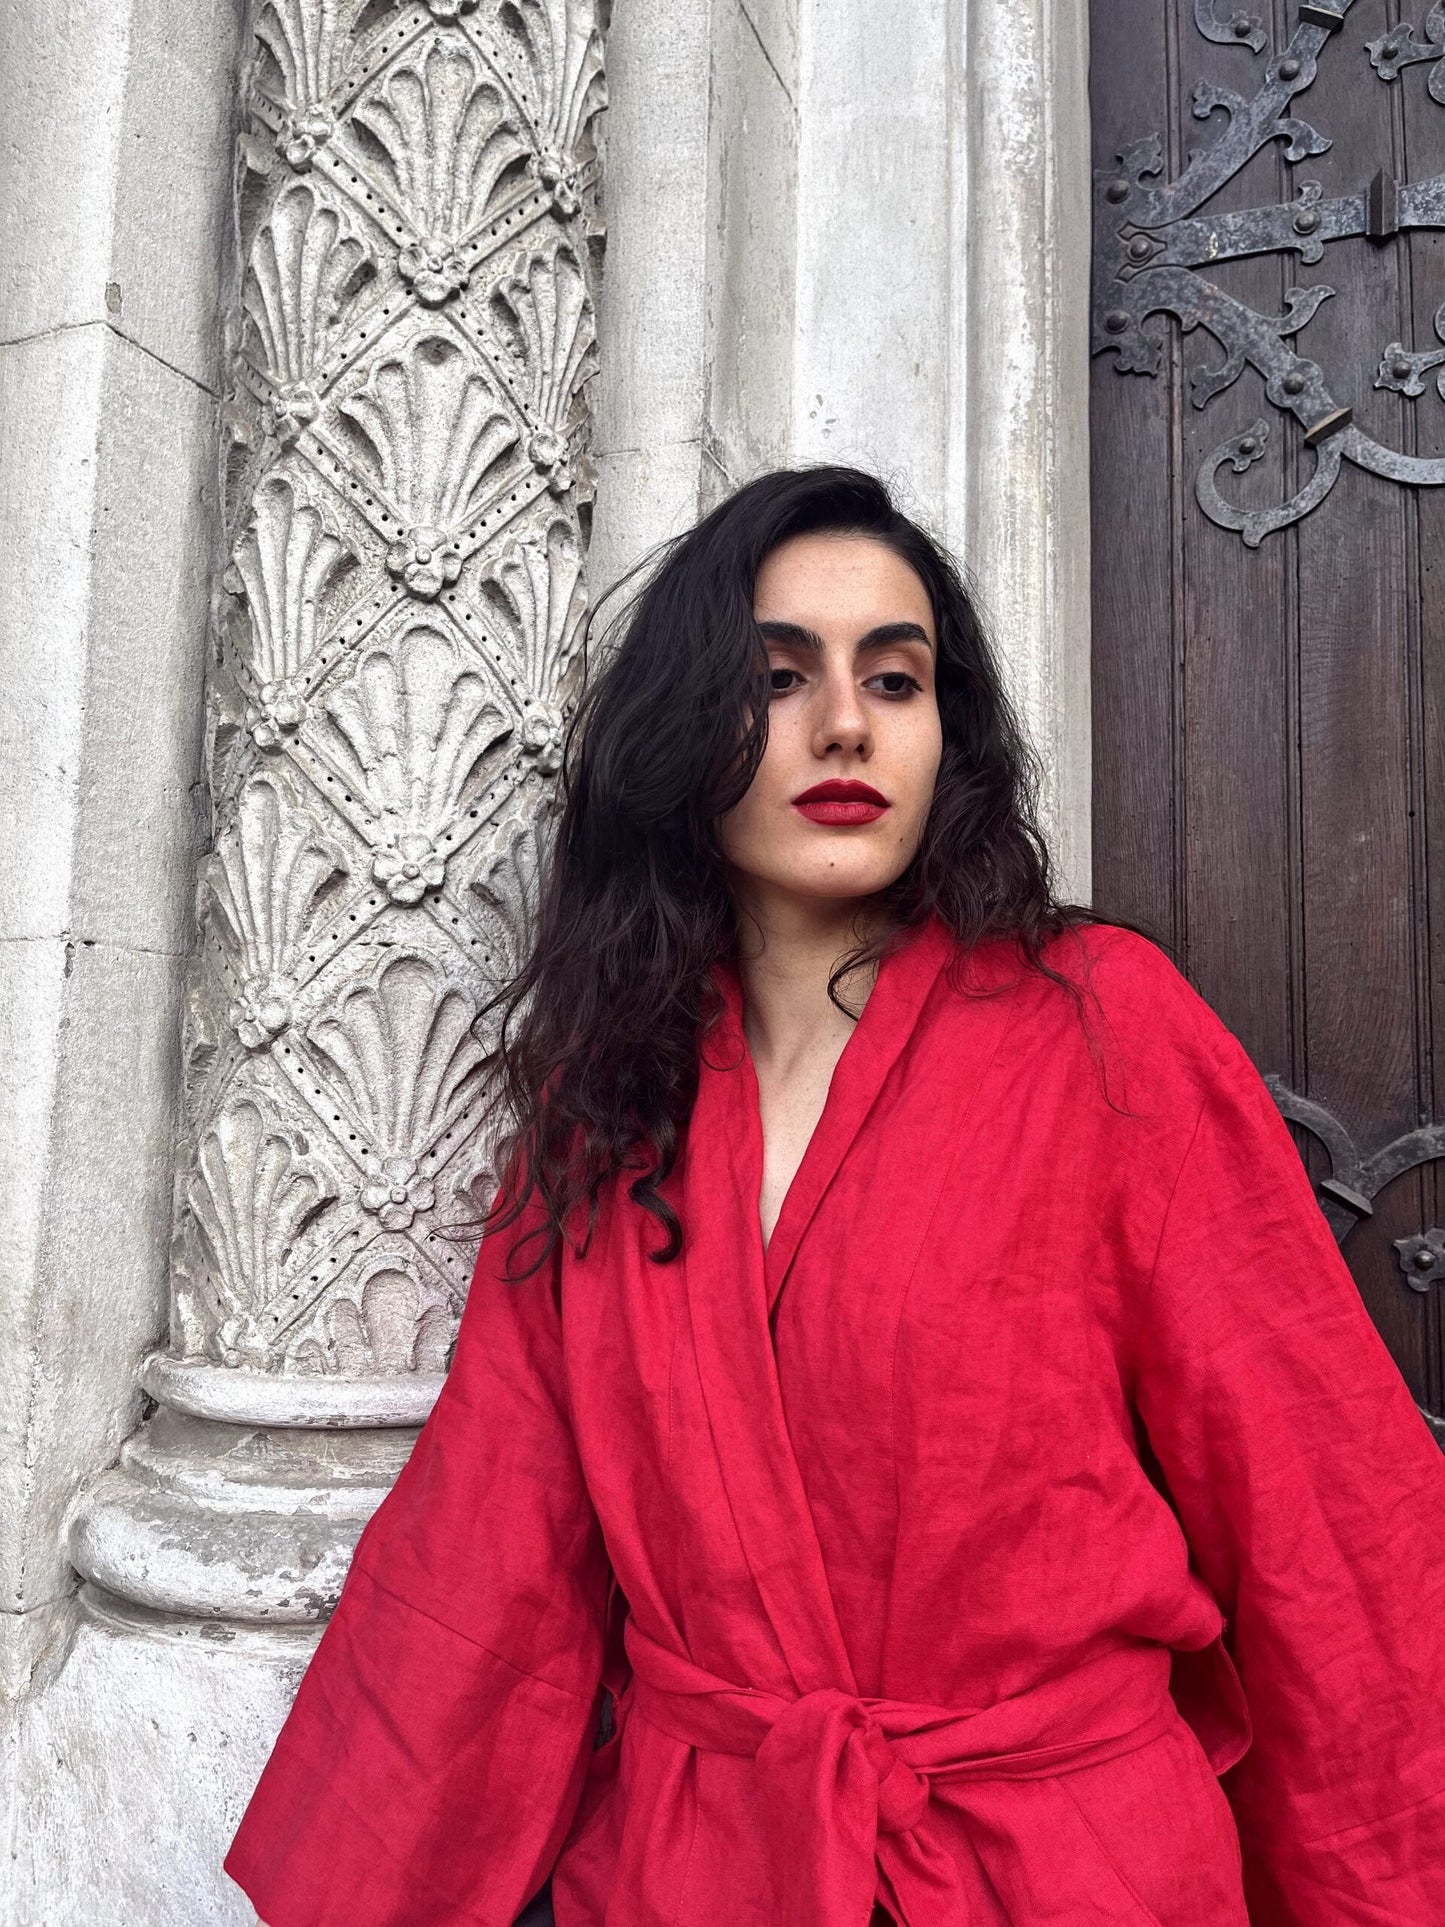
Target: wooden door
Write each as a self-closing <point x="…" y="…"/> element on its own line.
<point x="1268" y="407"/>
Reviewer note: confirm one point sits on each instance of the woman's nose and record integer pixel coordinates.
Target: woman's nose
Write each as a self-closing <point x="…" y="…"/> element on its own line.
<point x="842" y="719"/>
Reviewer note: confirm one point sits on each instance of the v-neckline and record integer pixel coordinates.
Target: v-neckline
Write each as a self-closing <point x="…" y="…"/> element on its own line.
<point x="732" y="1288"/>
<point x="755" y="1097"/>
<point x="905" y="977"/>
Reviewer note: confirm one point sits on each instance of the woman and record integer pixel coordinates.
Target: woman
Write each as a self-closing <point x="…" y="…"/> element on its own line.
<point x="892" y="1464"/>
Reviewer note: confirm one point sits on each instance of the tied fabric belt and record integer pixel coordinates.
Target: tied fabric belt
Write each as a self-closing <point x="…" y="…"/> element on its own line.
<point x="845" y="1781"/>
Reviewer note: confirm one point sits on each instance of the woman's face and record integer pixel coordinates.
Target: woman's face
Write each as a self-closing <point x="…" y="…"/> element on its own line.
<point x="839" y="801"/>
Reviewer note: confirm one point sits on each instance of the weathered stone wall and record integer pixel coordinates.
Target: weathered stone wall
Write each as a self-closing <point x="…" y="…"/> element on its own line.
<point x="113" y="171"/>
<point x="871" y="246"/>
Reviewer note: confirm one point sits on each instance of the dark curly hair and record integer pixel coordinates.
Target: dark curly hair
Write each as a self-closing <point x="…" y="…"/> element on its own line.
<point x="595" y="1060"/>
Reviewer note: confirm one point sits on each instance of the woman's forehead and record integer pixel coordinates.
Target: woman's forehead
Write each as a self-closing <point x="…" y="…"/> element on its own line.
<point x="827" y="580"/>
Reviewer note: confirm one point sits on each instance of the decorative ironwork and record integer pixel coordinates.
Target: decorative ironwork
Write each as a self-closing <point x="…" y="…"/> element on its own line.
<point x="1236" y="28"/>
<point x="1348" y="1194"/>
<point x="1151" y="244"/>
<point x="1399" y="48"/>
<point x="1422" y="1258"/>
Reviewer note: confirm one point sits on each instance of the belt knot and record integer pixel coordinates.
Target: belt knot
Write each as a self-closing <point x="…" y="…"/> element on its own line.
<point x="820" y="1732"/>
<point x="902" y="1794"/>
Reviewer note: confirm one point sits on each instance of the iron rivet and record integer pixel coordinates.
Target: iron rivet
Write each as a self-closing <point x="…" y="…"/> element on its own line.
<point x="1307" y="222"/>
<point x="1140" y="248"/>
<point x="1289" y="69"/>
<point x="1423" y="1258"/>
<point x="1401" y="370"/>
<point x="1247" y="444"/>
<point x="1117" y="191"/>
<point x="1116" y="321"/>
<point x="1293" y="384"/>
<point x="1242" y="25"/>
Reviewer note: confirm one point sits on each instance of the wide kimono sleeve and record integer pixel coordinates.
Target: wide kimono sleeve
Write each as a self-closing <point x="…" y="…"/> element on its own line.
<point x="435" y="1753"/>
<point x="1312" y="1495"/>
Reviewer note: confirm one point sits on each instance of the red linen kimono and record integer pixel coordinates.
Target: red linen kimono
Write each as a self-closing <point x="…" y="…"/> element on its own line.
<point x="1045" y="1467"/>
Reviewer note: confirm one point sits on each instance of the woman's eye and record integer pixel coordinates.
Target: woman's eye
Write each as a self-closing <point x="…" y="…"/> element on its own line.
<point x="780" y="683"/>
<point x="897" y="682"/>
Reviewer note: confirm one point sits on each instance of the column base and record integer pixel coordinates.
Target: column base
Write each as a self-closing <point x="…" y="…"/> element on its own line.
<point x="250" y="1523"/>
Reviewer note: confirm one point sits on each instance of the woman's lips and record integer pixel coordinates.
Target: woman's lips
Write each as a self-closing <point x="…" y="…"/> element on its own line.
<point x="836" y="813"/>
<point x="839" y="804"/>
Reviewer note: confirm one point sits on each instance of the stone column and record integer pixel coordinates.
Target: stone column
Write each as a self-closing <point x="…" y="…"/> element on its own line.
<point x="1019" y="443"/>
<point x="697" y="312"/>
<point x="398" y="528"/>
<point x="395" y="641"/>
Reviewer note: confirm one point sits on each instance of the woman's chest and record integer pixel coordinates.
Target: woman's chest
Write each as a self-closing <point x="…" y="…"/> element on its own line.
<point x="790" y="1104"/>
<point x="943" y="1344"/>
<point x="968" y="1357"/>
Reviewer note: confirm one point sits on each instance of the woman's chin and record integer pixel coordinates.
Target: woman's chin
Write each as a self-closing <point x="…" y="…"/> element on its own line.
<point x="815" y="883"/>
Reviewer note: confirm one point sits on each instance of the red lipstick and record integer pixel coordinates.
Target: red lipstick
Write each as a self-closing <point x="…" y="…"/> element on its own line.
<point x="840" y="802"/>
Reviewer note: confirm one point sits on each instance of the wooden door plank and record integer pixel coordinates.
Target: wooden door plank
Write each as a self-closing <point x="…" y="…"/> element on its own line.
<point x="1238" y="613"/>
<point x="1422" y="121"/>
<point x="1359" y="996"/>
<point x="1134" y="489"/>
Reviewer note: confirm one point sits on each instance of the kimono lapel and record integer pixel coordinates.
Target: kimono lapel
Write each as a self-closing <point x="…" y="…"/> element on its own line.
<point x="885" y="1026"/>
<point x="727" y="1306"/>
<point x="730" y="1292"/>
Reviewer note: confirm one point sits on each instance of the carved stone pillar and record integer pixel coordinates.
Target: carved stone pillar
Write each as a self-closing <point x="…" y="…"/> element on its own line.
<point x="395" y="642"/>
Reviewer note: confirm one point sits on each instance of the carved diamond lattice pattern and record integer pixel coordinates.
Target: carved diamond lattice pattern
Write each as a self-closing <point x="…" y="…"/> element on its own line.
<point x="396" y="642"/>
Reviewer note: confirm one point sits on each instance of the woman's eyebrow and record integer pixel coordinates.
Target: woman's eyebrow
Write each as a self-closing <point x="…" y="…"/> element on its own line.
<point x="791" y="634"/>
<point x="794" y="636"/>
<point x="887" y="632"/>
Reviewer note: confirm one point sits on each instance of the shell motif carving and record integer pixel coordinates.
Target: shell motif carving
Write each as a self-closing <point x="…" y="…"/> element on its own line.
<point x="433" y="431"/>
<point x="412" y="734"/>
<point x="539" y="601"/>
<point x="306" y="273"/>
<point x="286" y="564"/>
<point x="447" y="133"/>
<point x="252" y="1198"/>
<point x="391" y="1329"/>
<point x="267" y="880"/>
<point x="308" y="41"/>
<point x="538" y="594"/>
<point x="508" y="874"/>
<point x="547" y="314"/>
<point x="400" y="1055"/>
<point x="410" y="338"/>
<point x="548" y="303"/>
<point x="562" y="48"/>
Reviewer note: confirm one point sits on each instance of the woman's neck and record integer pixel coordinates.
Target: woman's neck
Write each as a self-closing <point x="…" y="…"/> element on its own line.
<point x="787" y="951"/>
